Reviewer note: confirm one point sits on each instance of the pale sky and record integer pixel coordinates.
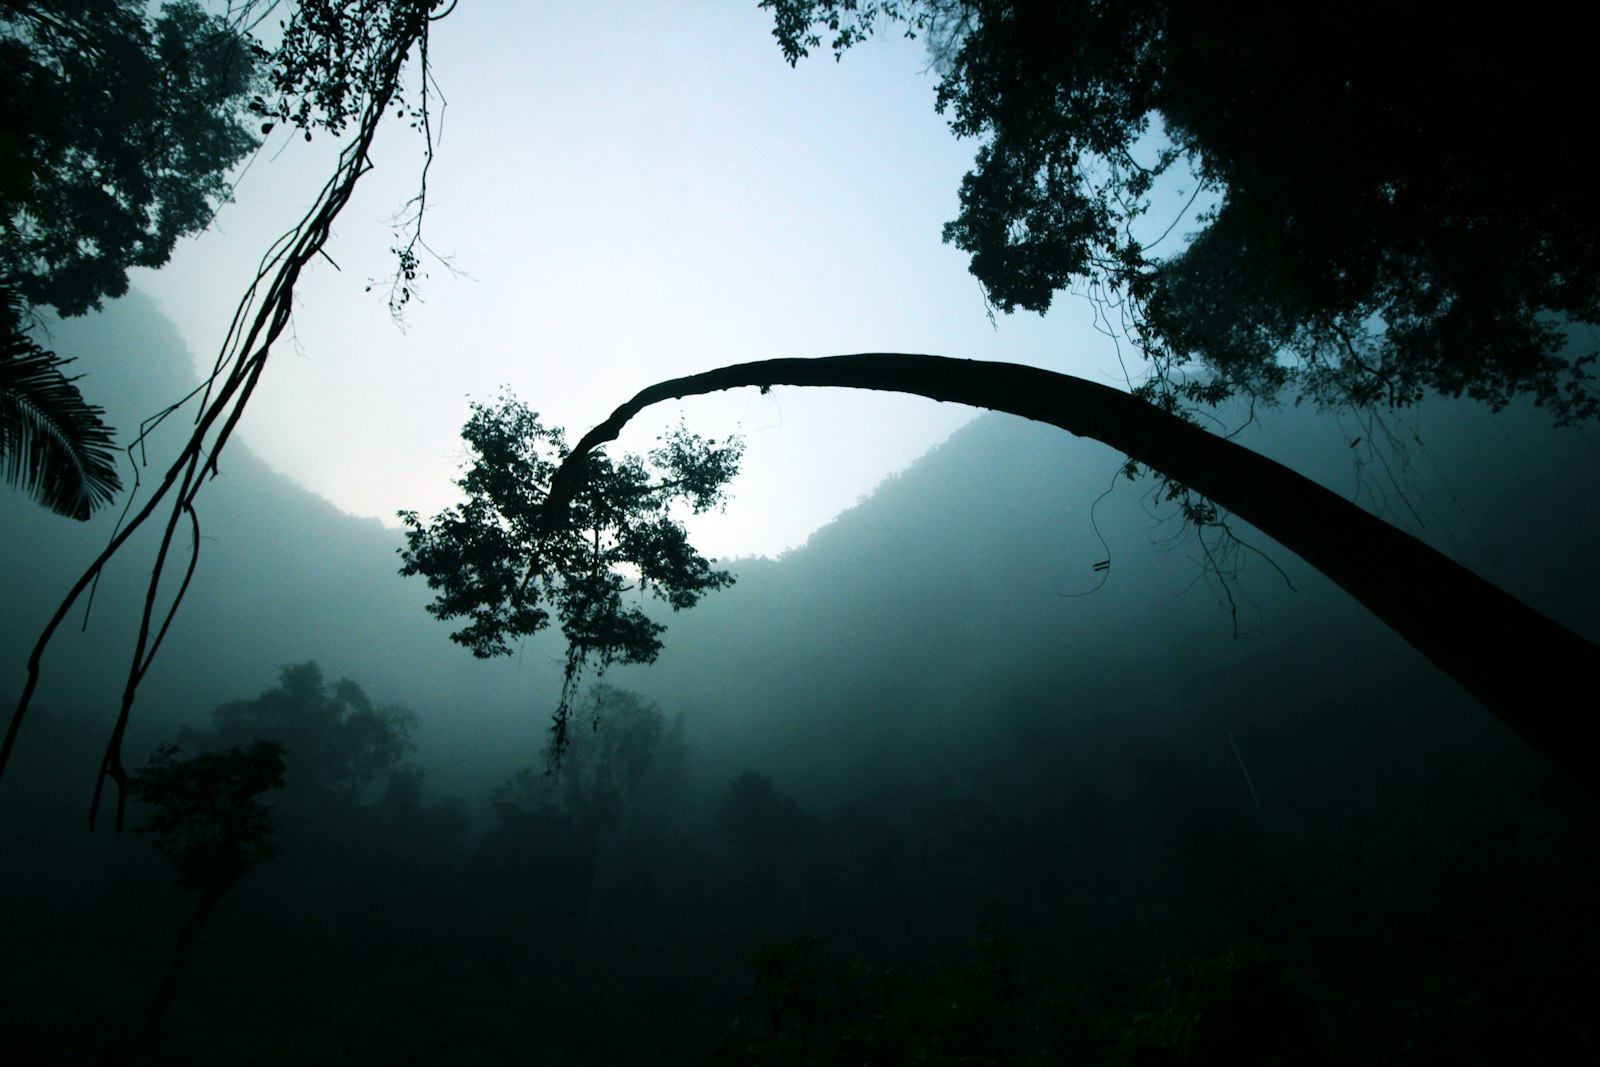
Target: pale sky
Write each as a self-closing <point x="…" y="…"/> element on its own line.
<point x="631" y="191"/>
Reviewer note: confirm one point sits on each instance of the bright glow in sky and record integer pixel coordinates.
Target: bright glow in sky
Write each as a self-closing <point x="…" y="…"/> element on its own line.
<point x="632" y="191"/>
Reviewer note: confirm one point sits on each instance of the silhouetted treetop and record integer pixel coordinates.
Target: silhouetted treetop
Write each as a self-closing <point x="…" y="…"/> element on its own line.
<point x="506" y="561"/>
<point x="338" y="741"/>
<point x="119" y="131"/>
<point x="1382" y="215"/>
<point x="206" y="817"/>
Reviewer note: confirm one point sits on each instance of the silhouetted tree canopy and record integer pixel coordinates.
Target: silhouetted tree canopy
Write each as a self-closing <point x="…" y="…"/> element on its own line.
<point x="1385" y="211"/>
<point x="499" y="561"/>
<point x="338" y="741"/>
<point x="206" y="817"/>
<point x="119" y="131"/>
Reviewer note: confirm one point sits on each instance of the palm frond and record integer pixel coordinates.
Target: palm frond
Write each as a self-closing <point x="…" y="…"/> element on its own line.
<point x="54" y="445"/>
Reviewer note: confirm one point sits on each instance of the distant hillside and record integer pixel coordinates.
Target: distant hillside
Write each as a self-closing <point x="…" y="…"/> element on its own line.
<point x="960" y="609"/>
<point x="1004" y="696"/>
<point x="960" y="604"/>
<point x="284" y="577"/>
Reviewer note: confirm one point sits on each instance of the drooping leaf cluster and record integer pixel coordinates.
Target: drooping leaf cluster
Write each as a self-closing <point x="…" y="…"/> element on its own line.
<point x="1385" y="210"/>
<point x="602" y="769"/>
<point x="335" y="58"/>
<point x="207" y="818"/>
<point x="54" y="445"/>
<point x="507" y="564"/>
<point x="799" y="24"/>
<point x="328" y="62"/>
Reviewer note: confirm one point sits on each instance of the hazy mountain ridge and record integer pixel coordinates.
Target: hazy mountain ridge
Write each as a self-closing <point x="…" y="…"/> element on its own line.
<point x="956" y="586"/>
<point x="929" y="706"/>
<point x="973" y="572"/>
<point x="283" y="577"/>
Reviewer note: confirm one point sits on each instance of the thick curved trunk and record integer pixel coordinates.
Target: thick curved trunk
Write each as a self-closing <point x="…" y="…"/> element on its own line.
<point x="1523" y="666"/>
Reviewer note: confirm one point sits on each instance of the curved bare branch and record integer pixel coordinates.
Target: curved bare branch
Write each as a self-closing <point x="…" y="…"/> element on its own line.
<point x="1520" y="664"/>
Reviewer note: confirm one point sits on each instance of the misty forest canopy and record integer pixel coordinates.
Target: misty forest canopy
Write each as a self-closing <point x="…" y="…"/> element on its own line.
<point x="1387" y="212"/>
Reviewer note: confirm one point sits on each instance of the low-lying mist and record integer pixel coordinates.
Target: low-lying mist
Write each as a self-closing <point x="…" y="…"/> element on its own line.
<point x="1003" y="763"/>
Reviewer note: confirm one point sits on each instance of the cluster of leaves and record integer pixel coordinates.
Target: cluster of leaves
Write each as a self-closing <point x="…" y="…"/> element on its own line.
<point x="207" y="817"/>
<point x="54" y="445"/>
<point x="331" y="60"/>
<point x="340" y="741"/>
<point x="798" y="24"/>
<point x="1357" y="243"/>
<point x="506" y="562"/>
<point x="119" y="132"/>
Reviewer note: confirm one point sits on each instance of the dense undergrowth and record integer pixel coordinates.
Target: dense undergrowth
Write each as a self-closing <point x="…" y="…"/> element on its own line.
<point x="1104" y="901"/>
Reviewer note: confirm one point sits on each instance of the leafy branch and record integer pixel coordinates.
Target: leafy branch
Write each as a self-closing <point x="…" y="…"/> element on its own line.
<point x="506" y="561"/>
<point x="54" y="445"/>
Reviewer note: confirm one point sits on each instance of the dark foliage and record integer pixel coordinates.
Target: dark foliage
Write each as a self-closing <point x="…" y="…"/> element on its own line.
<point x="119" y="131"/>
<point x="54" y="446"/>
<point x="505" y="560"/>
<point x="206" y="816"/>
<point x="1381" y="907"/>
<point x="1383" y="217"/>
<point x="339" y="743"/>
<point x="1236" y="1007"/>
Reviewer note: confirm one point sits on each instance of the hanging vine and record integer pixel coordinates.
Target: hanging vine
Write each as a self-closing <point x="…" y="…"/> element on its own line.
<point x="339" y="66"/>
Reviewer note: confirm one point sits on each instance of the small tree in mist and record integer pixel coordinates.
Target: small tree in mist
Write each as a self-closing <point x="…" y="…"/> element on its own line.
<point x="344" y="745"/>
<point x="209" y="822"/>
<point x="353" y="811"/>
<point x="572" y="840"/>
<point x="498" y="561"/>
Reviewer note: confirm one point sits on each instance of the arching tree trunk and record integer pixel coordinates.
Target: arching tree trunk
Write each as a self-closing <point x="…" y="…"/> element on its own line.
<point x="1523" y="666"/>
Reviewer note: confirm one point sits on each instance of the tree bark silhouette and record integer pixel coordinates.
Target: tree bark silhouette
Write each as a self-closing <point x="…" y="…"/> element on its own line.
<point x="149" y="1038"/>
<point x="1523" y="666"/>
